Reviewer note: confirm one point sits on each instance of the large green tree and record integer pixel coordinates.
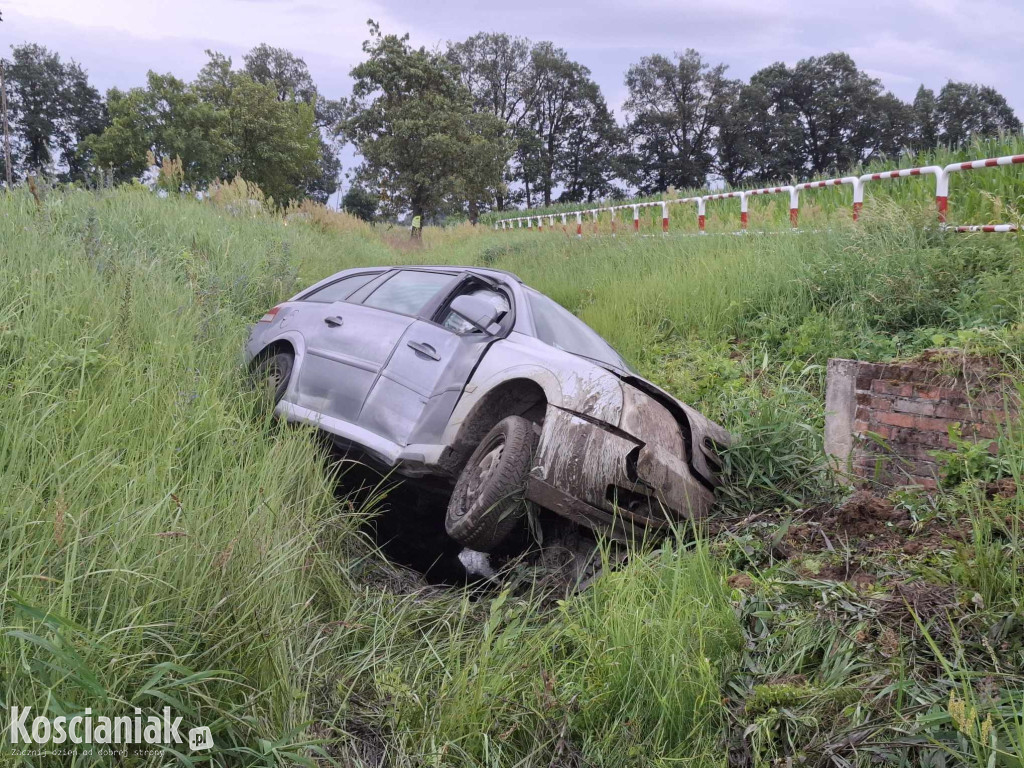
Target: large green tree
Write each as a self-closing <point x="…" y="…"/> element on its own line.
<point x="497" y="69"/>
<point x="225" y="123"/>
<point x="562" y="86"/>
<point x="593" y="155"/>
<point x="289" y="75"/>
<point x="53" y="108"/>
<point x="360" y="202"/>
<point x="822" y="115"/>
<point x="924" y="132"/>
<point x="413" y="122"/>
<point x="276" y="143"/>
<point x="965" y="111"/>
<point x="167" y="119"/>
<point x="675" y="108"/>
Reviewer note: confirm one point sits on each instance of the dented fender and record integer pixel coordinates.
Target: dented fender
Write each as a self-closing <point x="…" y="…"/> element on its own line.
<point x="636" y="471"/>
<point x="568" y="382"/>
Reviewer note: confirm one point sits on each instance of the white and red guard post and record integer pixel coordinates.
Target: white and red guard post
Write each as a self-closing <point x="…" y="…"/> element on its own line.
<point x="940" y="173"/>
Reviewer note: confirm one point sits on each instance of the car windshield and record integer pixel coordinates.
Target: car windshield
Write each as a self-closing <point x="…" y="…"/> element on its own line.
<point x="561" y="329"/>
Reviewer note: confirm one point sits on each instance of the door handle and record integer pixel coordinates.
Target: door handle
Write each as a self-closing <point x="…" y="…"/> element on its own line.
<point x="334" y="320"/>
<point x="425" y="349"/>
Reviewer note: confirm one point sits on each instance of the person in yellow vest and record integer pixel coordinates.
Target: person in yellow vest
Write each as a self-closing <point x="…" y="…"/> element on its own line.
<point x="416" y="225"/>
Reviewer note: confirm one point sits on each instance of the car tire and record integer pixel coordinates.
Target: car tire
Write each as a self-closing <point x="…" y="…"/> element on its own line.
<point x="487" y="503"/>
<point x="272" y="374"/>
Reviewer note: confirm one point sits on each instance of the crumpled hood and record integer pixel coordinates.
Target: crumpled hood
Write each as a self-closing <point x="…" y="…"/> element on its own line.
<point x="703" y="438"/>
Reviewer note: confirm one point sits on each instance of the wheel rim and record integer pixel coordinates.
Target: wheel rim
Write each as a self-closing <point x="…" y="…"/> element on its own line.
<point x="483" y="470"/>
<point x="274" y="376"/>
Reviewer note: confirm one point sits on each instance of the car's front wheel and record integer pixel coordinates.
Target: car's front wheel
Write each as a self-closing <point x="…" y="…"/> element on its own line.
<point x="487" y="503"/>
<point x="272" y="373"/>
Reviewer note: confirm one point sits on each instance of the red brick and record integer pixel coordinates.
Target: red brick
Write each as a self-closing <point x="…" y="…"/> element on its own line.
<point x="924" y="452"/>
<point x="952" y="395"/>
<point x="927" y="392"/>
<point x="923" y="376"/>
<point x="863" y="398"/>
<point x="954" y="412"/>
<point x="866" y="373"/>
<point x="860" y="425"/>
<point x="992" y="416"/>
<point x="892" y="387"/>
<point x="916" y="373"/>
<point x="882" y="387"/>
<point x="998" y="399"/>
<point x="932" y="439"/>
<point x="880" y="430"/>
<point x="980" y="431"/>
<point x="924" y="468"/>
<point x="897" y="419"/>
<point x="881" y="403"/>
<point x="928" y="424"/>
<point x="869" y="467"/>
<point x="910" y="405"/>
<point x="893" y="371"/>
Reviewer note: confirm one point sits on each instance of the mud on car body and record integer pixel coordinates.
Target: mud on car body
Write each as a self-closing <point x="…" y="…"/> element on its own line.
<point x="470" y="375"/>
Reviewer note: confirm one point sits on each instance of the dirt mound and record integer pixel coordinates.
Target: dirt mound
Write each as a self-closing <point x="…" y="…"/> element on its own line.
<point x="1003" y="488"/>
<point x="854" y="541"/>
<point x="864" y="514"/>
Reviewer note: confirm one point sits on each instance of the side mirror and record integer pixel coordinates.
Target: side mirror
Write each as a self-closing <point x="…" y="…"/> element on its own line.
<point x="477" y="311"/>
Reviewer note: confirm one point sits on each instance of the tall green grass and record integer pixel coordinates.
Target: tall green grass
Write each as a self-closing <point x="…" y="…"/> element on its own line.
<point x="165" y="542"/>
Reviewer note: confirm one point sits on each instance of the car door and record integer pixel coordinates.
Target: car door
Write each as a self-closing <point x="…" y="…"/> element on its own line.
<point x="417" y="391"/>
<point x="349" y="344"/>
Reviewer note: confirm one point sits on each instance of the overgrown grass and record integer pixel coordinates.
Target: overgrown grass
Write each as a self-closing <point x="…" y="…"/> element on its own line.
<point x="165" y="541"/>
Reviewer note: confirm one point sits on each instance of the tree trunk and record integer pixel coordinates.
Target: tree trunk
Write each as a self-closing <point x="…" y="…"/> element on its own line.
<point x="500" y="202"/>
<point x="474" y="212"/>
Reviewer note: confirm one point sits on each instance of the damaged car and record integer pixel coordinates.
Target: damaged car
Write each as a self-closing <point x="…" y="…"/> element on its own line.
<point x="469" y="375"/>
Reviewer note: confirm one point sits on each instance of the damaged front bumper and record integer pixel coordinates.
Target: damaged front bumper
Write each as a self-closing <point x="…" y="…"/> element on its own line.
<point x="641" y="473"/>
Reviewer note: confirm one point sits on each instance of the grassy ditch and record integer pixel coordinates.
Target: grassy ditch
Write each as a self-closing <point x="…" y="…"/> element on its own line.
<point x="165" y="542"/>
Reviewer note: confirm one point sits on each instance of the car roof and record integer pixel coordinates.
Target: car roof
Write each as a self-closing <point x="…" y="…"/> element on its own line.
<point x="441" y="268"/>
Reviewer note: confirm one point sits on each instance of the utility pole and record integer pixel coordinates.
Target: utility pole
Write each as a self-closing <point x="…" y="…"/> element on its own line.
<point x="7" y="128"/>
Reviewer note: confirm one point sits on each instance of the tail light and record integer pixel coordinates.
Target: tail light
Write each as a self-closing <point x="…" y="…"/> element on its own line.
<point x="271" y="314"/>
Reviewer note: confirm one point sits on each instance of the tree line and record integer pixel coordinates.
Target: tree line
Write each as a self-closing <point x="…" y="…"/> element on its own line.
<point x="491" y="122"/>
<point x="264" y="120"/>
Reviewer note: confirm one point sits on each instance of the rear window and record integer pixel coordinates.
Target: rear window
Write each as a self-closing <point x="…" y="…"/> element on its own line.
<point x="340" y="290"/>
<point x="408" y="291"/>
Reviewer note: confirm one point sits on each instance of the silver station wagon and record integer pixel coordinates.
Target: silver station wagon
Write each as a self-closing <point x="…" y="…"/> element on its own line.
<point x="470" y="375"/>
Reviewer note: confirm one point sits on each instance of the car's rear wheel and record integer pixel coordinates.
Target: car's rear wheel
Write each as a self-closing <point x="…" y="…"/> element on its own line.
<point x="272" y="374"/>
<point x="487" y="503"/>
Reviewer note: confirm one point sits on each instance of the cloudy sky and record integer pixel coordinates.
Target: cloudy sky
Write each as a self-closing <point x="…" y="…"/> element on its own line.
<point x="903" y="42"/>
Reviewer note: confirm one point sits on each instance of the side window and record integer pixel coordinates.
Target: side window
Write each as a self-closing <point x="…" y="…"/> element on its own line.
<point x="408" y="291"/>
<point x="460" y="325"/>
<point x="340" y="290"/>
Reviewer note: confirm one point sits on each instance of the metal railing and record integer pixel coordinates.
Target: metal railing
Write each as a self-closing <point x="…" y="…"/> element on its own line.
<point x="940" y="173"/>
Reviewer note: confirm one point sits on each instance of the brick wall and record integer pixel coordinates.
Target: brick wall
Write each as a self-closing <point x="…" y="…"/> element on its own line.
<point x="884" y="419"/>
